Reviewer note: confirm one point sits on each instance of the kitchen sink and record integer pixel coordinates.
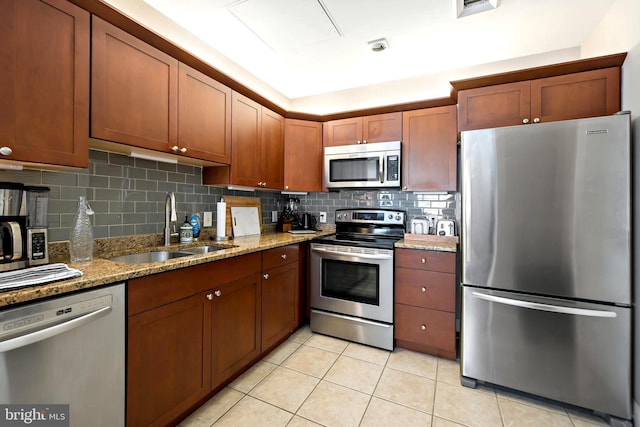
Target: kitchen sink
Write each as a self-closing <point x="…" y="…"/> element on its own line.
<point x="151" y="256"/>
<point x="204" y="249"/>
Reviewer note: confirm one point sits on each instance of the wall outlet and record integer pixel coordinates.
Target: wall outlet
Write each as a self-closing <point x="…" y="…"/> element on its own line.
<point x="274" y="216"/>
<point x="323" y="217"/>
<point x="207" y="219"/>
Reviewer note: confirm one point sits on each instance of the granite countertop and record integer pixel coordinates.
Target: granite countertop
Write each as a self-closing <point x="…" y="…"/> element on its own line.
<point x="427" y="245"/>
<point x="101" y="271"/>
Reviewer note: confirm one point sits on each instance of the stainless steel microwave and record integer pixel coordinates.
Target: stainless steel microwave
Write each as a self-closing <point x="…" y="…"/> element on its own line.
<point x="374" y="165"/>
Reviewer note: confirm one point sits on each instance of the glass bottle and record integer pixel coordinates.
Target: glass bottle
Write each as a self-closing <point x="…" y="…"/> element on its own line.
<point x="81" y="238"/>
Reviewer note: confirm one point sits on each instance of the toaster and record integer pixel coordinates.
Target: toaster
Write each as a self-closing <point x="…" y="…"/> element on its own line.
<point x="446" y="227"/>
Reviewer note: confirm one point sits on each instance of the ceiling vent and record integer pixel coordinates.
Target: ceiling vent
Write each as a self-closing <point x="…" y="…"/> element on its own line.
<point x="471" y="7"/>
<point x="378" y="45"/>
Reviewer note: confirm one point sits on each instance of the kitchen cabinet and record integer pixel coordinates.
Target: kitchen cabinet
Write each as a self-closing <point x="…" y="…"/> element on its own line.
<point x="367" y="129"/>
<point x="302" y="155"/>
<point x="134" y="89"/>
<point x="280" y="296"/>
<point x="429" y="149"/>
<point x="571" y="96"/>
<point x="189" y="330"/>
<point x="44" y="82"/>
<point x="424" y="302"/>
<point x="258" y="144"/>
<point x="204" y="116"/>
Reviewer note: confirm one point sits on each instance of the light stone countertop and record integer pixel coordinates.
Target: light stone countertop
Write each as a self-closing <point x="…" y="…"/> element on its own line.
<point x="429" y="246"/>
<point x="101" y="271"/>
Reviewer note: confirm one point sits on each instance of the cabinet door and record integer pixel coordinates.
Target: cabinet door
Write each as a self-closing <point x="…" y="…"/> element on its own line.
<point x="573" y="96"/>
<point x="168" y="363"/>
<point x="429" y="149"/>
<point x="44" y="81"/>
<point x="279" y="304"/>
<point x="342" y="132"/>
<point x="246" y="124"/>
<point x="494" y="106"/>
<point x="204" y="116"/>
<point x="134" y="89"/>
<point x="235" y="327"/>
<point x="302" y="155"/>
<point x="272" y="150"/>
<point x="382" y="127"/>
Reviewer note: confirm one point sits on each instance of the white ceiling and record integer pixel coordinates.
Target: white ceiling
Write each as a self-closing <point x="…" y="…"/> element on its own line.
<point x="303" y="48"/>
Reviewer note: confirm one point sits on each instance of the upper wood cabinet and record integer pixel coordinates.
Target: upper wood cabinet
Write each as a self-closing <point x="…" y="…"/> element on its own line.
<point x="362" y="130"/>
<point x="570" y="96"/>
<point x="143" y="97"/>
<point x="134" y="89"/>
<point x="429" y="149"/>
<point x="44" y="82"/>
<point x="303" y="155"/>
<point x="258" y="145"/>
<point x="204" y="116"/>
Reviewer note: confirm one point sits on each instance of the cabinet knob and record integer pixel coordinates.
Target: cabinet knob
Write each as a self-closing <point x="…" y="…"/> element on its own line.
<point x="175" y="148"/>
<point x="536" y="120"/>
<point x="6" y="151"/>
<point x="209" y="297"/>
<point x="218" y="293"/>
<point x="423" y="289"/>
<point x="264" y="184"/>
<point x="266" y="275"/>
<point x="423" y="327"/>
<point x="284" y="256"/>
<point x="183" y="150"/>
<point x="359" y="142"/>
<point x="404" y="188"/>
<point x="525" y="121"/>
<point x="364" y="141"/>
<point x="422" y="260"/>
<point x="286" y="187"/>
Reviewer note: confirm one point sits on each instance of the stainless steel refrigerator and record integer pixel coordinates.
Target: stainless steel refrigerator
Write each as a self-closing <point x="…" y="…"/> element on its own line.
<point x="546" y="261"/>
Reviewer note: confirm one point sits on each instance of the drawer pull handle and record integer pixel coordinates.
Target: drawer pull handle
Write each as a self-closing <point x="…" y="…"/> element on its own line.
<point x="423" y="327"/>
<point x="209" y="297"/>
<point x="423" y="289"/>
<point x="218" y="293"/>
<point x="284" y="256"/>
<point x="266" y="276"/>
<point x="424" y="261"/>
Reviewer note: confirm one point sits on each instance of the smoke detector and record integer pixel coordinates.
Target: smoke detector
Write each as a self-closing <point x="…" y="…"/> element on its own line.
<point x="464" y="8"/>
<point x="378" y="45"/>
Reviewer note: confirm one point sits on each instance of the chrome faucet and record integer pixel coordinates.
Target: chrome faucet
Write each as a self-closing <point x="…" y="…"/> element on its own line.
<point x="169" y="215"/>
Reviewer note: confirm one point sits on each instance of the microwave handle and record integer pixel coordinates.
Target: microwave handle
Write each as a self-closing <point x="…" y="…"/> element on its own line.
<point x="381" y="171"/>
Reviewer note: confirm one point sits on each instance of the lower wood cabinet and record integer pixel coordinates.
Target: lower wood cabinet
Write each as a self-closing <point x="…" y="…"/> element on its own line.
<point x="192" y="330"/>
<point x="425" y="300"/>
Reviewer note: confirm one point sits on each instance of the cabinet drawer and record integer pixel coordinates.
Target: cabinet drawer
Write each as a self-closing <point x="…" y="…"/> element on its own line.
<point x="427" y="289"/>
<point x="425" y="327"/>
<point x="279" y="256"/>
<point x="426" y="260"/>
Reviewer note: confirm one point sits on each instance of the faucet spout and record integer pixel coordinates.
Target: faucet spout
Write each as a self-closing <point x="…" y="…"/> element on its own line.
<point x="169" y="215"/>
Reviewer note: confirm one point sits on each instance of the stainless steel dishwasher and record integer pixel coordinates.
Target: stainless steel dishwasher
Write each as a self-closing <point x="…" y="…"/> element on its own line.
<point x="67" y="350"/>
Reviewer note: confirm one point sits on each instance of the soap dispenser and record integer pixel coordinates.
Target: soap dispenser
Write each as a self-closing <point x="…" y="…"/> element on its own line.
<point x="186" y="231"/>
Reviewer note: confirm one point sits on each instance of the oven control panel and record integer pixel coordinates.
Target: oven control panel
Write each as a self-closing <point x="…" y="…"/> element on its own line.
<point x="370" y="216"/>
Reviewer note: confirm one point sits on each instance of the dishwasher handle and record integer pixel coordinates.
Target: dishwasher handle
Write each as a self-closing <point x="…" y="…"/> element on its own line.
<point x="43" y="334"/>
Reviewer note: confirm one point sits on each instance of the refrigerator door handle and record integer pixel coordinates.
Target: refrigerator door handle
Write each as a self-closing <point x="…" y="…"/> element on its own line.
<point x="546" y="307"/>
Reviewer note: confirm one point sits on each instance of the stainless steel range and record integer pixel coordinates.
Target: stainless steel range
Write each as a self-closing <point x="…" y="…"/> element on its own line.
<point x="352" y="276"/>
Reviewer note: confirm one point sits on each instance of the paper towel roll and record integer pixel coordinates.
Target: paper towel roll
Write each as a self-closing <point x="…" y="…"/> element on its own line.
<point x="221" y="217"/>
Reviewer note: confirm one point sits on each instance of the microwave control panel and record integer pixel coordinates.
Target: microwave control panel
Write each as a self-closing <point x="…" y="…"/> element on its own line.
<point x="393" y="169"/>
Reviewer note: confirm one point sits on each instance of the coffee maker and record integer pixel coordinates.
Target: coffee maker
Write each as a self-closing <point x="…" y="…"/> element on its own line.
<point x="23" y="226"/>
<point x="36" y="209"/>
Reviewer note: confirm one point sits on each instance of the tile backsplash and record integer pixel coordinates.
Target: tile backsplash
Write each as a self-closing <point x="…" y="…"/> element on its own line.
<point x="128" y="196"/>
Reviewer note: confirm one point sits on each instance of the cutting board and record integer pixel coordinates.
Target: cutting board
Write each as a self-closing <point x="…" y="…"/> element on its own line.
<point x="241" y="201"/>
<point x="245" y="221"/>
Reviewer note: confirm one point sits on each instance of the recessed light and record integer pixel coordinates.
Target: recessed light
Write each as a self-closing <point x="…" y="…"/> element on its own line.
<point x="378" y="45"/>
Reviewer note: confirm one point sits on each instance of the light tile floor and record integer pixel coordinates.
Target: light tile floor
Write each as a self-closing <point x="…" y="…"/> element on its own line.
<point x="315" y="380"/>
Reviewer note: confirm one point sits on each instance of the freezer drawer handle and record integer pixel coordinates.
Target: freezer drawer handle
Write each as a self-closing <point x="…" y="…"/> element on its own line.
<point x="546" y="307"/>
<point x="43" y="334"/>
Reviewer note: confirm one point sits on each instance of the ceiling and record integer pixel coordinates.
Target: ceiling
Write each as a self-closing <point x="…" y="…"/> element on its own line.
<point x="303" y="48"/>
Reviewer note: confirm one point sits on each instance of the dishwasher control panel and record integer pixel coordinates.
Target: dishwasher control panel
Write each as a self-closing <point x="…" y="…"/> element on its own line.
<point x="21" y="320"/>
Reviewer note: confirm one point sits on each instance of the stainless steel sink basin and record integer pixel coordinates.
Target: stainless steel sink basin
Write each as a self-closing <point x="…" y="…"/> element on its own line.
<point x="204" y="249"/>
<point x="152" y="256"/>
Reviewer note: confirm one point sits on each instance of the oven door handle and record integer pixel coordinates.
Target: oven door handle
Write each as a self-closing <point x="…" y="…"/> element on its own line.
<point x="365" y="256"/>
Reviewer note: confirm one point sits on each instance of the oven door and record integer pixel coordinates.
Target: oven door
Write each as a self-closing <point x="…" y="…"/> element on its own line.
<point x="356" y="281"/>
